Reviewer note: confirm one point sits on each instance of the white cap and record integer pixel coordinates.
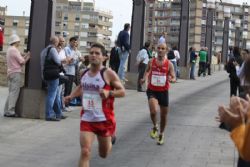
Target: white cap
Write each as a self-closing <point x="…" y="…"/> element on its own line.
<point x="14" y="38"/>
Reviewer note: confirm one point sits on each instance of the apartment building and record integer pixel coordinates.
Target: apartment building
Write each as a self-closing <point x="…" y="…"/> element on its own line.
<point x="165" y="16"/>
<point x="16" y="25"/>
<point x="81" y="18"/>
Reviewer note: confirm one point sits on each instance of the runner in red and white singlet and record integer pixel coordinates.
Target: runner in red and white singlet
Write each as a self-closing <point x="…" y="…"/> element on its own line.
<point x="99" y="86"/>
<point x="160" y="72"/>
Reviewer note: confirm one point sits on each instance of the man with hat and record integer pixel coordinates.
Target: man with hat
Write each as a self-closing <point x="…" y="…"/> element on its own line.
<point x="15" y="61"/>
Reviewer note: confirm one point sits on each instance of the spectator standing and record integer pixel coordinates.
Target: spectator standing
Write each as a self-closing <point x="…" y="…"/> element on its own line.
<point x="114" y="62"/>
<point x="51" y="68"/>
<point x="15" y="61"/>
<point x="231" y="69"/>
<point x="202" y="62"/>
<point x="193" y="58"/>
<point x="70" y="68"/>
<point x="162" y="38"/>
<point x="142" y="58"/>
<point x="124" y="48"/>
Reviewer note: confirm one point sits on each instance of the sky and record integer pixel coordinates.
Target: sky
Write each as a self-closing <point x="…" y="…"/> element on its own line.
<point x="121" y="9"/>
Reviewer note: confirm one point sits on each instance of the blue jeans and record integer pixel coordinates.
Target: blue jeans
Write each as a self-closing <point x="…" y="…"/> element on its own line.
<point x="175" y="67"/>
<point x="123" y="58"/>
<point x="192" y="71"/>
<point x="53" y="107"/>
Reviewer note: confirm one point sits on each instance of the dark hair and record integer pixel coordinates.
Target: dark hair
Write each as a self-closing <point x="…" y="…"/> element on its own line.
<point x="75" y="38"/>
<point x="236" y="51"/>
<point x="147" y="44"/>
<point x="174" y="48"/>
<point x="100" y="46"/>
<point x="126" y="26"/>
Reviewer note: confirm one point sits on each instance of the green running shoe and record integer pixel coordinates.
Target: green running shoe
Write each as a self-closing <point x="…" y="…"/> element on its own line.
<point x="160" y="139"/>
<point x="154" y="132"/>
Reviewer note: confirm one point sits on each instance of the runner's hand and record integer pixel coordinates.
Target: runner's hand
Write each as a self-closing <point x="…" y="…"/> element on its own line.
<point x="142" y="81"/>
<point x="104" y="93"/>
<point x="67" y="99"/>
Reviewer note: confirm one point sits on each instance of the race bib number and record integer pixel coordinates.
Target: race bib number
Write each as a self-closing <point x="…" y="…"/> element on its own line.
<point x="158" y="80"/>
<point x="92" y="102"/>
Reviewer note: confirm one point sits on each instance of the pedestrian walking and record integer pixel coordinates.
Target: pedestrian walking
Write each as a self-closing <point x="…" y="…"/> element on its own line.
<point x="15" y="61"/>
<point x="124" y="49"/>
<point x="99" y="86"/>
<point x="175" y="56"/>
<point x="142" y="61"/>
<point x="160" y="72"/>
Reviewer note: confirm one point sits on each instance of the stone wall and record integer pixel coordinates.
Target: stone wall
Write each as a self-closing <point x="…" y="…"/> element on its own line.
<point x="3" y="70"/>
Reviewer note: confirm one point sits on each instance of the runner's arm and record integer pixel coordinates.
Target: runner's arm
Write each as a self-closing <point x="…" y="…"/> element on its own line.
<point x="147" y="71"/>
<point x="77" y="92"/>
<point x="113" y="80"/>
<point x="171" y="72"/>
<point x="119" y="90"/>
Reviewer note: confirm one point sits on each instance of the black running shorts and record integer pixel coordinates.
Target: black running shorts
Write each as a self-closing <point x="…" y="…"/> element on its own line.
<point x="161" y="96"/>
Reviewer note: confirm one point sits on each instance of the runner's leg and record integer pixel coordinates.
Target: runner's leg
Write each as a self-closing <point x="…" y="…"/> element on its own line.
<point x="164" y="113"/>
<point x="153" y="104"/>
<point x="105" y="146"/>
<point x="86" y="141"/>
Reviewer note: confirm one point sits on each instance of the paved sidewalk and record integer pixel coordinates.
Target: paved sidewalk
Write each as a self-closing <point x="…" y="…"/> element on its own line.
<point x="193" y="138"/>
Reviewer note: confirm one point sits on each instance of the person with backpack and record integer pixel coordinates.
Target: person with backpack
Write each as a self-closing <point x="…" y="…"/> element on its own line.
<point x="173" y="56"/>
<point x="51" y="67"/>
<point x="142" y="62"/>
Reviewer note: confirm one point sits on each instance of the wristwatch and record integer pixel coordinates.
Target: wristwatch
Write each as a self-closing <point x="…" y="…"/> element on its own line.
<point x="111" y="93"/>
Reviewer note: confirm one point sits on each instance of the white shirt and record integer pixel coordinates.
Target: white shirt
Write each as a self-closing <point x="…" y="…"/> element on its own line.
<point x="143" y="56"/>
<point x="177" y="55"/>
<point x="162" y="40"/>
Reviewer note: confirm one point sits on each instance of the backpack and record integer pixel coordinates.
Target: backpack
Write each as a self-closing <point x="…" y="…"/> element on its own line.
<point x="171" y="55"/>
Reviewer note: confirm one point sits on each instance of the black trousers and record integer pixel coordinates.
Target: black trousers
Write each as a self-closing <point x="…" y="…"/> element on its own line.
<point x="234" y="87"/>
<point x="141" y="69"/>
<point x="68" y="85"/>
<point x="202" y="68"/>
<point x="243" y="163"/>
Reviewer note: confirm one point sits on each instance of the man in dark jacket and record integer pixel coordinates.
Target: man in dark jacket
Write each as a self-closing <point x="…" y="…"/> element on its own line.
<point x="124" y="47"/>
<point x="114" y="61"/>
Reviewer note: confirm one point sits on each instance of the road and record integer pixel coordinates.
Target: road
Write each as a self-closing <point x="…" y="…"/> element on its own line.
<point x="193" y="138"/>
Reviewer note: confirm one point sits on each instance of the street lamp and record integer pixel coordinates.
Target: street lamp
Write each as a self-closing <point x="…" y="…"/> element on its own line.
<point x="244" y="36"/>
<point x="237" y="32"/>
<point x="227" y="15"/>
<point x="209" y="31"/>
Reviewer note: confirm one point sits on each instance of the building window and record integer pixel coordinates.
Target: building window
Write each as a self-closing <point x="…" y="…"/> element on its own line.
<point x="77" y="19"/>
<point x="57" y="33"/>
<point x="65" y="17"/>
<point x="58" y="23"/>
<point x="26" y="33"/>
<point x="26" y="41"/>
<point x="15" y="22"/>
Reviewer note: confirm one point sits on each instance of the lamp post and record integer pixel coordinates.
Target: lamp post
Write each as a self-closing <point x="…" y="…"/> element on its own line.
<point x="183" y="39"/>
<point x="227" y="15"/>
<point x="209" y="30"/>
<point x="244" y="36"/>
<point x="237" y="32"/>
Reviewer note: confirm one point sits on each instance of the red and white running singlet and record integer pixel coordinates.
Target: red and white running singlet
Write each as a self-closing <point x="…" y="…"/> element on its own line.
<point x="158" y="77"/>
<point x="96" y="109"/>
